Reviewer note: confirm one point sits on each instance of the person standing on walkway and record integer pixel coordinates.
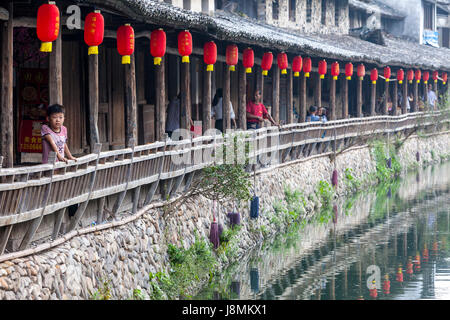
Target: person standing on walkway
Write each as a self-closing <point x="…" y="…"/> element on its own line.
<point x="432" y="98"/>
<point x="256" y="112"/>
<point x="217" y="111"/>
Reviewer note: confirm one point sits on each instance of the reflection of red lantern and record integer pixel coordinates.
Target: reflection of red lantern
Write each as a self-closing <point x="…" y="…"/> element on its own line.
<point x="158" y="45"/>
<point x="417" y="262"/>
<point x="47" y="25"/>
<point x="444" y="77"/>
<point x="335" y="70"/>
<point x="435" y="76"/>
<point x="409" y="267"/>
<point x="386" y="285"/>
<point x="210" y="55"/>
<point x="399" y="275"/>
<point x="297" y="65"/>
<point x="410" y="75"/>
<point x="400" y="76"/>
<point x="94" y="28"/>
<point x="418" y="75"/>
<point x="361" y="71"/>
<point x="387" y="73"/>
<point x="282" y="62"/>
<point x="373" y="290"/>
<point x="426" y="77"/>
<point x="266" y="63"/>
<point x="374" y="75"/>
<point x="185" y="45"/>
<point x="125" y="42"/>
<point x="232" y="56"/>
<point x="307" y="65"/>
<point x="322" y="68"/>
<point x="425" y="254"/>
<point x="248" y="60"/>
<point x="349" y="71"/>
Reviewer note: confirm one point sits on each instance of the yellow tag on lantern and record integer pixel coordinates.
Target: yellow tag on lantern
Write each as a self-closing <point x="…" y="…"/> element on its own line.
<point x="46" y="47"/>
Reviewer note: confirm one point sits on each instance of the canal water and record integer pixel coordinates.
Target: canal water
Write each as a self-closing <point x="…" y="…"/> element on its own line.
<point x="388" y="243"/>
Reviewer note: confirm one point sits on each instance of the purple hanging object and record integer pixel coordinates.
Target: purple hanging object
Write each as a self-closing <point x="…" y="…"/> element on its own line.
<point x="334" y="178"/>
<point x="235" y="218"/>
<point x="389" y="163"/>
<point x="214" y="234"/>
<point x="417" y="156"/>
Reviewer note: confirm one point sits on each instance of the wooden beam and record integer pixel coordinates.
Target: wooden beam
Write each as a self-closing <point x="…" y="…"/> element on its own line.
<point x="373" y="99"/>
<point x="6" y="114"/>
<point x="345" y="99"/>
<point x="260" y="82"/>
<point x="130" y="100"/>
<point x="185" y="91"/>
<point x="290" y="97"/>
<point x="55" y="73"/>
<point x="160" y="107"/>
<point x="415" y="105"/>
<point x="425" y="94"/>
<point x="93" y="99"/>
<point x="318" y="92"/>
<point x="206" y="101"/>
<point x="242" y="98"/>
<point x="359" y="113"/>
<point x="395" y="98"/>
<point x="405" y="97"/>
<point x="386" y="95"/>
<point x="226" y="98"/>
<point x="302" y="99"/>
<point x="332" y="99"/>
<point x="276" y="95"/>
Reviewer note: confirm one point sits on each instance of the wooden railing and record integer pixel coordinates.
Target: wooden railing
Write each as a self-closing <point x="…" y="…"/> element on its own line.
<point x="28" y="194"/>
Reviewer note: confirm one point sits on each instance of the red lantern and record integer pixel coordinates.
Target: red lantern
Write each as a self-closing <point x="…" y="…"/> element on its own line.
<point x="248" y="60"/>
<point x="282" y="61"/>
<point x="94" y="28"/>
<point x="410" y="75"/>
<point x="349" y="71"/>
<point x="335" y="70"/>
<point x="47" y="26"/>
<point x="158" y="45"/>
<point x="444" y="77"/>
<point x="322" y="68"/>
<point x="307" y="65"/>
<point x="387" y="73"/>
<point x="418" y="75"/>
<point x="210" y="55"/>
<point x="400" y="76"/>
<point x="266" y="63"/>
<point x="361" y="71"/>
<point x="232" y="56"/>
<point x="297" y="65"/>
<point x="125" y="42"/>
<point x="435" y="76"/>
<point x="374" y="75"/>
<point x="185" y="45"/>
<point x="426" y="77"/>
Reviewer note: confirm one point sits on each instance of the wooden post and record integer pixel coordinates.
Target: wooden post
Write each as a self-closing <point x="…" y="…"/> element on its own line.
<point x="130" y="100"/>
<point x="425" y="94"/>
<point x="160" y="100"/>
<point x="242" y="98"/>
<point x="206" y="101"/>
<point x="373" y="99"/>
<point x="332" y="99"/>
<point x="345" y="99"/>
<point x="318" y="93"/>
<point x="55" y="73"/>
<point x="302" y="100"/>
<point x="386" y="95"/>
<point x="290" y="98"/>
<point x="395" y="99"/>
<point x="415" y="106"/>
<point x="93" y="100"/>
<point x="6" y="114"/>
<point x="405" y="97"/>
<point x="260" y="78"/>
<point x="276" y="95"/>
<point x="359" y="113"/>
<point x="226" y="116"/>
<point x="186" y="95"/>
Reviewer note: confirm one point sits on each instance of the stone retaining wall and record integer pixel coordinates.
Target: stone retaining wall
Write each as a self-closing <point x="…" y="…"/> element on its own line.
<point x="126" y="255"/>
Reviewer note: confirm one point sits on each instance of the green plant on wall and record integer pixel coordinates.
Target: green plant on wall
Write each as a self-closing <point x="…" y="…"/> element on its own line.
<point x="325" y="192"/>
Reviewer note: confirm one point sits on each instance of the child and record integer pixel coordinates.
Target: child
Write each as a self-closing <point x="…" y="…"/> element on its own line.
<point x="54" y="135"/>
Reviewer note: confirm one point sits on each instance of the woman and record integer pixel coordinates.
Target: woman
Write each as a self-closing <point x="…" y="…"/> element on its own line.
<point x="217" y="111"/>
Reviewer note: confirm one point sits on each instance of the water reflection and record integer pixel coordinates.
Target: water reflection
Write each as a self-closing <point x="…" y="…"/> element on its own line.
<point x="390" y="243"/>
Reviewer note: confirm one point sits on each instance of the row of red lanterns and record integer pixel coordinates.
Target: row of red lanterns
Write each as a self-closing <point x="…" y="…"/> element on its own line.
<point x="48" y="29"/>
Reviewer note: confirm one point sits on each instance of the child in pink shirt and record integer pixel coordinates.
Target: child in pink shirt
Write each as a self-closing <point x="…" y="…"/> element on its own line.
<point x="54" y="135"/>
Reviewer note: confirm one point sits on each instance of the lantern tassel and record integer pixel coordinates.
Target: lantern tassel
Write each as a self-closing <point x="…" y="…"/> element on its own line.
<point x="46" y="47"/>
<point x="248" y="70"/>
<point x="185" y="59"/>
<point x="349" y="78"/>
<point x="210" y="67"/>
<point x="157" y="61"/>
<point x="418" y="81"/>
<point x="335" y="77"/>
<point x="296" y="74"/>
<point x="306" y="74"/>
<point x="400" y="81"/>
<point x="284" y="71"/>
<point x="126" y="59"/>
<point x="93" y="50"/>
<point x="435" y="81"/>
<point x="374" y="82"/>
<point x="265" y="72"/>
<point x="232" y="68"/>
<point x="322" y="76"/>
<point x="387" y="79"/>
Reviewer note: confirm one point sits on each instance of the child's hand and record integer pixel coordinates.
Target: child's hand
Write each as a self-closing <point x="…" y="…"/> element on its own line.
<point x="73" y="158"/>
<point x="61" y="158"/>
